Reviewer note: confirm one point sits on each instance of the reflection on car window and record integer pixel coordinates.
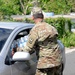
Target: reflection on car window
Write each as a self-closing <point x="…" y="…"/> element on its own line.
<point x="4" y="33"/>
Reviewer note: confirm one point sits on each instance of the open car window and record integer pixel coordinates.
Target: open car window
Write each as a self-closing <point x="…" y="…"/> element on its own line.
<point x="17" y="44"/>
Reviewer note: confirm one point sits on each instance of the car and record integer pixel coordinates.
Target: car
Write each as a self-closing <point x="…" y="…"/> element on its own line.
<point x="19" y="63"/>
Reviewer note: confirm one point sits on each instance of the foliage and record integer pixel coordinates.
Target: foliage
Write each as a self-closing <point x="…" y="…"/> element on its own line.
<point x="29" y="21"/>
<point x="25" y="6"/>
<point x="69" y="40"/>
<point x="9" y="7"/>
<point x="56" y="6"/>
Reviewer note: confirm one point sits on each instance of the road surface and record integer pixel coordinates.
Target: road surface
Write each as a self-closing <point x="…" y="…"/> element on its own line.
<point x="70" y="62"/>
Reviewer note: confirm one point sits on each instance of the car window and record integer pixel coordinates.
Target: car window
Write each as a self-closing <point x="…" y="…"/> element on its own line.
<point x="19" y="41"/>
<point x="4" y="33"/>
<point x="17" y="45"/>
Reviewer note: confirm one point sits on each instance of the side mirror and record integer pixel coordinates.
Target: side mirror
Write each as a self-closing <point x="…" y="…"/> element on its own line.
<point x="21" y="56"/>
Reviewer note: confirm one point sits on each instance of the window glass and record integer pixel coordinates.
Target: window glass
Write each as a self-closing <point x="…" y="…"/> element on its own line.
<point x="4" y="34"/>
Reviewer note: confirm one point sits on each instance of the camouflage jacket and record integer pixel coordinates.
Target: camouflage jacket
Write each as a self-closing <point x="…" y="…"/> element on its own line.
<point x="43" y="39"/>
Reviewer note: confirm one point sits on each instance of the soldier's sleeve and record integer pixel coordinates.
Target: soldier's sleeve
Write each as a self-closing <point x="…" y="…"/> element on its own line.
<point x="31" y="41"/>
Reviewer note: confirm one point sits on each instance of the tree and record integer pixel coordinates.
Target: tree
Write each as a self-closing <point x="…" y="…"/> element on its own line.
<point x="25" y="5"/>
<point x="9" y="7"/>
<point x="56" y="6"/>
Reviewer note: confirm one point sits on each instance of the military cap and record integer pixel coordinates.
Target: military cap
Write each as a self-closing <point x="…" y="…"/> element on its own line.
<point x="36" y="10"/>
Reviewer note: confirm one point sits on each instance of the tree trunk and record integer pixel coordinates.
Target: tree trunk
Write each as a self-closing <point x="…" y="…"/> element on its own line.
<point x="22" y="7"/>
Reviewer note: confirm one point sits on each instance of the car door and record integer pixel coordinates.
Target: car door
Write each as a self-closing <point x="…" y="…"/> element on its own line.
<point x="23" y="67"/>
<point x="4" y="69"/>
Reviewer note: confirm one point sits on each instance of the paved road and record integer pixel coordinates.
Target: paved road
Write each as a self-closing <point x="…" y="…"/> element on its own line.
<point x="70" y="63"/>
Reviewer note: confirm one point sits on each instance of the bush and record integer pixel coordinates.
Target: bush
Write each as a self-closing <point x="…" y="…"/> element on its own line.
<point x="69" y="40"/>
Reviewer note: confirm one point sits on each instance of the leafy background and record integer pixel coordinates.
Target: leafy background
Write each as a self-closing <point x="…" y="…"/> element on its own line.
<point x="23" y="7"/>
<point x="9" y="7"/>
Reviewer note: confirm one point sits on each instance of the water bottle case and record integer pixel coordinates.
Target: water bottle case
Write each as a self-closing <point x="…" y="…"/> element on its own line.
<point x="20" y="40"/>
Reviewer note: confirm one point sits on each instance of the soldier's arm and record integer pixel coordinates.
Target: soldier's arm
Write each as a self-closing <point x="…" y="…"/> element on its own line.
<point x="31" y="41"/>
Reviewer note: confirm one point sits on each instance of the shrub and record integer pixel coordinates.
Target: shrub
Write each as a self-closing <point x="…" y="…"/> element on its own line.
<point x="69" y="40"/>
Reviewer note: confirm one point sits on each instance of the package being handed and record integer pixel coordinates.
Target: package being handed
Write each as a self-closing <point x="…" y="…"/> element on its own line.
<point x="22" y="42"/>
<point x="25" y="39"/>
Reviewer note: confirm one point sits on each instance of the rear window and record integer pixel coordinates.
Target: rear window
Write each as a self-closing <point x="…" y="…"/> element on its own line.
<point x="4" y="34"/>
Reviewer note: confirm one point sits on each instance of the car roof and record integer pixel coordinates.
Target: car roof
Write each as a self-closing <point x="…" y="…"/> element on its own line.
<point x="12" y="25"/>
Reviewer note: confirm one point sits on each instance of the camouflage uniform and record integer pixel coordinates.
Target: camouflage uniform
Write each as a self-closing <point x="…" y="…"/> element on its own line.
<point x="43" y="40"/>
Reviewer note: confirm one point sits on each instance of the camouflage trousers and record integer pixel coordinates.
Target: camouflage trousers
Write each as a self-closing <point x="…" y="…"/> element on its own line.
<point x="50" y="71"/>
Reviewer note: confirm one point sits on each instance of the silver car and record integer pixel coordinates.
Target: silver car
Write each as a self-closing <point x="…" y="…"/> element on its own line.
<point x="21" y="63"/>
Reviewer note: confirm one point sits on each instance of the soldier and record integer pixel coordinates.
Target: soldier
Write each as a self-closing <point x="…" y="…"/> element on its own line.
<point x="43" y="40"/>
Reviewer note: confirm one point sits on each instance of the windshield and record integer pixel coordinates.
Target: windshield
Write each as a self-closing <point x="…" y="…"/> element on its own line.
<point x="4" y="33"/>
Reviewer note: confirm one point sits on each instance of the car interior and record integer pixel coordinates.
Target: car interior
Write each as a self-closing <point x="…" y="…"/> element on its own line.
<point x="8" y="60"/>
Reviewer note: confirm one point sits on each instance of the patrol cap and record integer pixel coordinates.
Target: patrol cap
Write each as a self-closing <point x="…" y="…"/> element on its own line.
<point x="36" y="10"/>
